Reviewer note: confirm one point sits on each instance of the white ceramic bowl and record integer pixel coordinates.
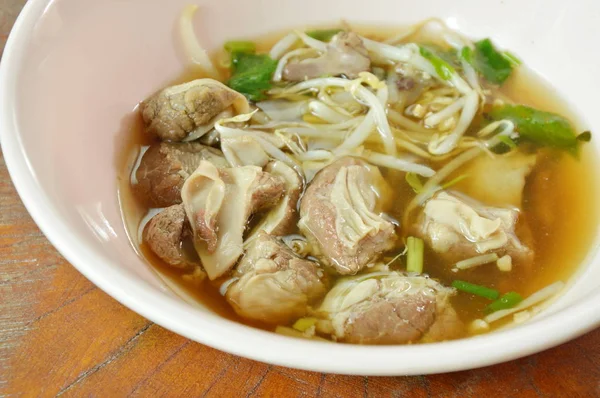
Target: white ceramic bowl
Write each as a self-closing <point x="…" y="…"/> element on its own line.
<point x="73" y="69"/>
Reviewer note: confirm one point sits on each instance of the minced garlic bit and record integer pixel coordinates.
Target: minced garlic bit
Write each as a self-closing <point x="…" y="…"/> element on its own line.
<point x="416" y="110"/>
<point x="504" y="263"/>
<point x="447" y="124"/>
<point x="478" y="326"/>
<point x="522" y="316"/>
<point x="498" y="102"/>
<point x="196" y="277"/>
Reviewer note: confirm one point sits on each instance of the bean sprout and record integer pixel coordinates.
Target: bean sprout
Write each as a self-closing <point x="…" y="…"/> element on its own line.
<point x="197" y="54"/>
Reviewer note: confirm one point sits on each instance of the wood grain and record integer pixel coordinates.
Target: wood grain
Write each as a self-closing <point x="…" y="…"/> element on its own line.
<point x="61" y="336"/>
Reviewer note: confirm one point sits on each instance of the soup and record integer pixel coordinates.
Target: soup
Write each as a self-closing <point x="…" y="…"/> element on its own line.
<point x="362" y="186"/>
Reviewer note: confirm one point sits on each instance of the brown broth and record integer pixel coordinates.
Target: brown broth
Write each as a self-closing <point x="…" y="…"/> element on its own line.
<point x="559" y="205"/>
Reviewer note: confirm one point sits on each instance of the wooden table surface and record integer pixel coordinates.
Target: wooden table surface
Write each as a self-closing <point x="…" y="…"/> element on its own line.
<point x="60" y="335"/>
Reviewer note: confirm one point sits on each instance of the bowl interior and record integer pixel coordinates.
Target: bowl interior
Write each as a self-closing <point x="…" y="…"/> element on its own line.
<point x="75" y="69"/>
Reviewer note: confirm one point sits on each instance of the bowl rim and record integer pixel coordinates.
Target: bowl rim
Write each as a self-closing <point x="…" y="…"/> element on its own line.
<point x="238" y="339"/>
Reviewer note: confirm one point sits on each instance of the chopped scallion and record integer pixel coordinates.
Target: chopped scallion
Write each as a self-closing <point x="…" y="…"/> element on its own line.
<point x="414" y="254"/>
<point x="539" y="127"/>
<point x="512" y="58"/>
<point x="509" y="300"/>
<point x="251" y="74"/>
<point x="535" y="298"/>
<point x="442" y="68"/>
<point x="491" y="63"/>
<point x="247" y="47"/>
<point x="323" y="34"/>
<point x="477" y="290"/>
<point x="467" y="54"/>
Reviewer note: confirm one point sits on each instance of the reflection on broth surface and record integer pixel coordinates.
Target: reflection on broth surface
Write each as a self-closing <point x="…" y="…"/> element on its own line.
<point x="440" y="191"/>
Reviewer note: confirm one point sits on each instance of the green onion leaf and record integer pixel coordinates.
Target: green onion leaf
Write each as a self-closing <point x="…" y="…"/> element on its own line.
<point x="467" y="54"/>
<point x="493" y="65"/>
<point x="477" y="290"/>
<point x="251" y="74"/>
<point x="442" y="68"/>
<point x="509" y="300"/>
<point x="586" y="136"/>
<point x="414" y="254"/>
<point x="451" y="56"/>
<point x="539" y="127"/>
<point x="415" y="182"/>
<point x="323" y="34"/>
<point x="240" y="47"/>
<point x="512" y="58"/>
